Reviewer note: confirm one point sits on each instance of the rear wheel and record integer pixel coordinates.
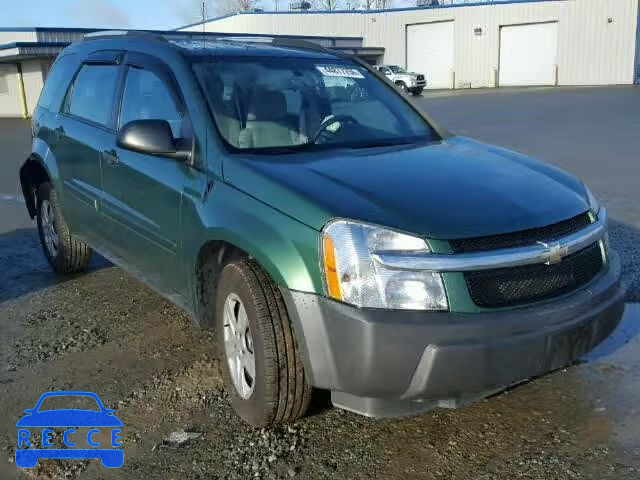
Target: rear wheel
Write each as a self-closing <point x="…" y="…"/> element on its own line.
<point x="259" y="356"/>
<point x="64" y="253"/>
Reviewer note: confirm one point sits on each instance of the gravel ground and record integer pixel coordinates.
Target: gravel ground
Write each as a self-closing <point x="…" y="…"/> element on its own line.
<point x="107" y="333"/>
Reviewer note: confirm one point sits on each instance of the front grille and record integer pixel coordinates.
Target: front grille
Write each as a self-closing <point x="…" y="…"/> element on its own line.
<point x="505" y="287"/>
<point x="420" y="77"/>
<point x="522" y="238"/>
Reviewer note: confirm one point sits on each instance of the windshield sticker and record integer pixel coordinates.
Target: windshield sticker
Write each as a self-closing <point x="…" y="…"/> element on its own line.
<point x="329" y="71"/>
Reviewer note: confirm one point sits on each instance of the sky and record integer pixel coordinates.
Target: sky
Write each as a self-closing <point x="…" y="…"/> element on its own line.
<point x="113" y="14"/>
<point x="145" y="14"/>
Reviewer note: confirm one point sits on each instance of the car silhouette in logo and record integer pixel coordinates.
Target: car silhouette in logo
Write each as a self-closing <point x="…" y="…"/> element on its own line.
<point x="68" y="418"/>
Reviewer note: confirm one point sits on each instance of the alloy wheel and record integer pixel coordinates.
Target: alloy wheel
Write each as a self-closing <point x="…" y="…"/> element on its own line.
<point x="238" y="345"/>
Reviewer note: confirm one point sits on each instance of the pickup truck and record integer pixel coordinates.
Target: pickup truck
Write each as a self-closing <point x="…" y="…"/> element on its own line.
<point x="408" y="82"/>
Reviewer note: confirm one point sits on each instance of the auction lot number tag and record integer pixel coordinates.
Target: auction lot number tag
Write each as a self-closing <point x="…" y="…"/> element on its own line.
<point x="343" y="72"/>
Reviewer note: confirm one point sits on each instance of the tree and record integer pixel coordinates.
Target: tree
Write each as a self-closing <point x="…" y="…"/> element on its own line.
<point x="376" y="4"/>
<point x="224" y="7"/>
<point x="326" y="4"/>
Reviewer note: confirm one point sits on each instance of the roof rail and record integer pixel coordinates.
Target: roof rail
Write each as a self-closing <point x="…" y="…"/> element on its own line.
<point x="297" y="43"/>
<point x="99" y="35"/>
<point x="277" y="40"/>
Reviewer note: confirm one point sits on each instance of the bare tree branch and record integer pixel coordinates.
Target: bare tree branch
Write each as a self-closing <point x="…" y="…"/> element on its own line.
<point x="224" y="7"/>
<point x="326" y="4"/>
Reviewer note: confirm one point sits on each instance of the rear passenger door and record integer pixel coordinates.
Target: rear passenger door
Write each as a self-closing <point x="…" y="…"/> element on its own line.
<point x="143" y="193"/>
<point x="84" y="128"/>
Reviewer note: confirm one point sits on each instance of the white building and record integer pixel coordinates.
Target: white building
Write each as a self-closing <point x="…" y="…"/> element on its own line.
<point x="530" y="42"/>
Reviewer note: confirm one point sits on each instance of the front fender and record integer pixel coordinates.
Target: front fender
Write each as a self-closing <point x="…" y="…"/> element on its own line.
<point x="287" y="249"/>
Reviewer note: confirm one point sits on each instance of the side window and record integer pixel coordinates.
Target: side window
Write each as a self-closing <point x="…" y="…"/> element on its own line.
<point x="146" y="97"/>
<point x="57" y="83"/>
<point x="91" y="96"/>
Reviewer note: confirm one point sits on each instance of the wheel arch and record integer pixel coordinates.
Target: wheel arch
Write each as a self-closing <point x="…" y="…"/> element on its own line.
<point x="280" y="261"/>
<point x="33" y="173"/>
<point x="212" y="257"/>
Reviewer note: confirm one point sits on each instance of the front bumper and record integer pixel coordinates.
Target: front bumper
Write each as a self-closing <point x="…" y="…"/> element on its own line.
<point x="382" y="362"/>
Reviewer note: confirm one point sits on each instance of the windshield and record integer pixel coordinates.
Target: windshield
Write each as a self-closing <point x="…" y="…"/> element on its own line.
<point x="396" y="69"/>
<point x="69" y="402"/>
<point x="262" y="103"/>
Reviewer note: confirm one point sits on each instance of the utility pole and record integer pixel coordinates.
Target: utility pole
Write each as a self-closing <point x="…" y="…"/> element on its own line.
<point x="204" y="17"/>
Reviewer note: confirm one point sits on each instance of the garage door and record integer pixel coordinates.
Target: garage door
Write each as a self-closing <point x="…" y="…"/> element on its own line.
<point x="528" y="54"/>
<point x="430" y="51"/>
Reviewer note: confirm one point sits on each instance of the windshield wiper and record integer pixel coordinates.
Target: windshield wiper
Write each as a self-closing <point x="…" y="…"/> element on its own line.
<point x="280" y="150"/>
<point x="382" y="143"/>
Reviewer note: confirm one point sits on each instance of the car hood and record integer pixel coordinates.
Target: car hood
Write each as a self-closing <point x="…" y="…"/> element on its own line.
<point x="457" y="188"/>
<point x="69" y="418"/>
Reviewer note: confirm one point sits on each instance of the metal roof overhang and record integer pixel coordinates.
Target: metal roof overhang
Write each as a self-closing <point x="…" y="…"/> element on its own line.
<point x="25" y="50"/>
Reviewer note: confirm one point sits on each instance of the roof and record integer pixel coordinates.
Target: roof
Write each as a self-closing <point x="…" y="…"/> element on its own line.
<point x="19" y="50"/>
<point x="364" y="12"/>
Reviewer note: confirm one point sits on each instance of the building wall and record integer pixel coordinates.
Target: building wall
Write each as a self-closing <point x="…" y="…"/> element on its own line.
<point x="32" y="77"/>
<point x="637" y="72"/>
<point x="596" y="38"/>
<point x="10" y="105"/>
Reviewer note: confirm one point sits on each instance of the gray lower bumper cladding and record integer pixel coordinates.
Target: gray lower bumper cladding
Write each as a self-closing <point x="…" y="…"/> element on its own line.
<point x="391" y="363"/>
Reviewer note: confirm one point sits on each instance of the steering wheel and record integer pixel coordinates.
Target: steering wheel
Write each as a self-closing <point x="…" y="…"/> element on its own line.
<point x="346" y="119"/>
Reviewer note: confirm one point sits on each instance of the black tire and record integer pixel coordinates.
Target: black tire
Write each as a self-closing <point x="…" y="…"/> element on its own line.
<point x="403" y="87"/>
<point x="71" y="255"/>
<point x="280" y="393"/>
<point x="417" y="91"/>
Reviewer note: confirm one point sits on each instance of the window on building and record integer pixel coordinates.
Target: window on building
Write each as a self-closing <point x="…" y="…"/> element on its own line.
<point x="91" y="96"/>
<point x="146" y="97"/>
<point x="4" y="84"/>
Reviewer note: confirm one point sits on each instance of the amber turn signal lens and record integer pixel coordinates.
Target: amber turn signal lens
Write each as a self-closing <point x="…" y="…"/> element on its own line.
<point x="330" y="268"/>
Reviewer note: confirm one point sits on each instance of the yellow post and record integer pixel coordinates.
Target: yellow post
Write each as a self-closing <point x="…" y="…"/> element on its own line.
<point x="22" y="92"/>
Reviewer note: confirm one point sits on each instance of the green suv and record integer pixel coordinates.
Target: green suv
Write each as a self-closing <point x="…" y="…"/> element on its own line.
<point x="332" y="234"/>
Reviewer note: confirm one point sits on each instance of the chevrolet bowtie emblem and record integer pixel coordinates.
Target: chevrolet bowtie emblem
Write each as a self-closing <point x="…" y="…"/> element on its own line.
<point x="554" y="252"/>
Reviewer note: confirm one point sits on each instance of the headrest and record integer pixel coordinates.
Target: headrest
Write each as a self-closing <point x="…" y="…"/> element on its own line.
<point x="267" y="105"/>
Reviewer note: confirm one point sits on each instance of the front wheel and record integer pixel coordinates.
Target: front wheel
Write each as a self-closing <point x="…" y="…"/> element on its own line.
<point x="416" y="91"/>
<point x="64" y="253"/>
<point x="403" y="87"/>
<point x="259" y="356"/>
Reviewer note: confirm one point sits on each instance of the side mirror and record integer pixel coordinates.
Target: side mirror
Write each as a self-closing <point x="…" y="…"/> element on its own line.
<point x="153" y="137"/>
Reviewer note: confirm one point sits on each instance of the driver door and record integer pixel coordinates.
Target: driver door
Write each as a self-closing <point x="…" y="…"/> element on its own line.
<point x="143" y="193"/>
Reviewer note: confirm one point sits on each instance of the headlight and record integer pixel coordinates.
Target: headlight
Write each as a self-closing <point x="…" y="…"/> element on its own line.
<point x="593" y="201"/>
<point x="352" y="276"/>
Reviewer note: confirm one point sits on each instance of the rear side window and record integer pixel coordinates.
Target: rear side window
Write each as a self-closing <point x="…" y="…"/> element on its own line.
<point x="57" y="83"/>
<point x="146" y="97"/>
<point x="92" y="94"/>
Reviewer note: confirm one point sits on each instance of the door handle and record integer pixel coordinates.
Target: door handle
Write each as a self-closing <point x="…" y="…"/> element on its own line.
<point x="59" y="132"/>
<point x="111" y="157"/>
